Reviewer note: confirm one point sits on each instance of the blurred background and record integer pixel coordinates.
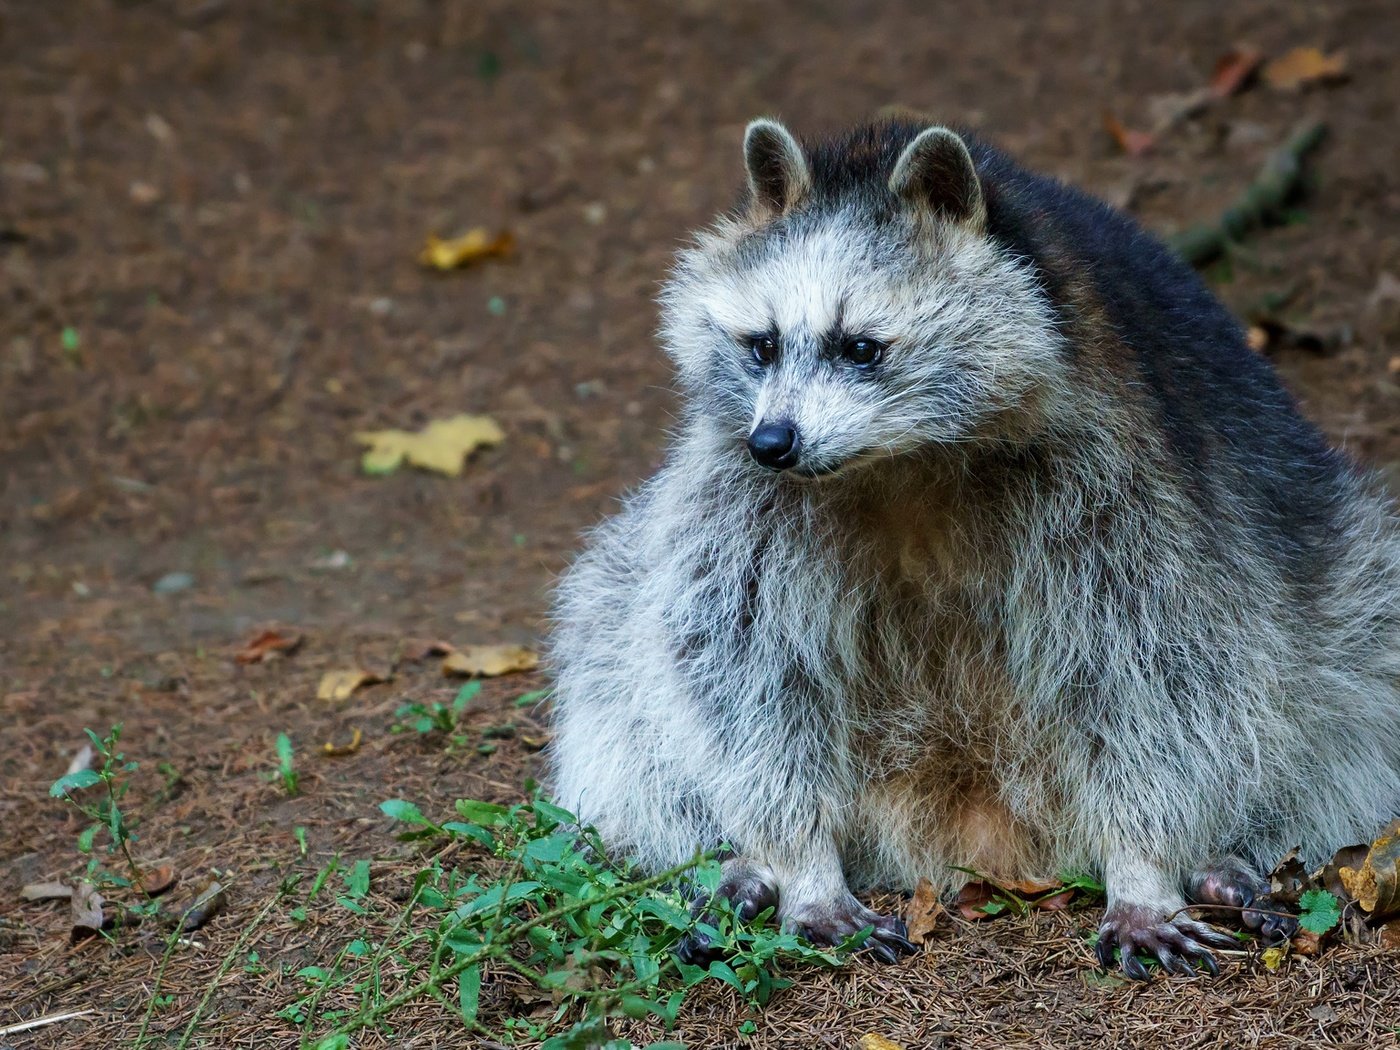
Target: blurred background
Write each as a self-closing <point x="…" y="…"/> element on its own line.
<point x="211" y="215"/>
<point x="213" y="220"/>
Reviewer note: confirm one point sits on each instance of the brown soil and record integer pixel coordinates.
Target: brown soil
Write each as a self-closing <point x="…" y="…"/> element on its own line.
<point x="224" y="202"/>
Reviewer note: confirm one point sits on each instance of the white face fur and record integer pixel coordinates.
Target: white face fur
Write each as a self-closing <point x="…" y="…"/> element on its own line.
<point x="869" y="334"/>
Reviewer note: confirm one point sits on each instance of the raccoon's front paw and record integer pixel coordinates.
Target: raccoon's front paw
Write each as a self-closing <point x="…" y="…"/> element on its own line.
<point x="830" y="924"/>
<point x="1179" y="944"/>
<point x="749" y="889"/>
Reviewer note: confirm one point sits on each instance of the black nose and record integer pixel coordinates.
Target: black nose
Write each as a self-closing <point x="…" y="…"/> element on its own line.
<point x="774" y="445"/>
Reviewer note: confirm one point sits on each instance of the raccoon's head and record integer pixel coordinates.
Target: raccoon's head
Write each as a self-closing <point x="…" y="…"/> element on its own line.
<point x="856" y="308"/>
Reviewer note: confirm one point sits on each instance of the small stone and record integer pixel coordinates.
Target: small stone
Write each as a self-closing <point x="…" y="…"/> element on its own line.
<point x="173" y="583"/>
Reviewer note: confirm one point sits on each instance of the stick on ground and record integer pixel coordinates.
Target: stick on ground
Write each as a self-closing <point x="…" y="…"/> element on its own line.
<point x="1276" y="182"/>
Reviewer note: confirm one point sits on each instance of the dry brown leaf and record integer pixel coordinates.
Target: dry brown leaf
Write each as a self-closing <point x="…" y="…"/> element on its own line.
<point x="88" y="919"/>
<point x="45" y="891"/>
<point x="1306" y="942"/>
<point x="1331" y="874"/>
<point x="338" y="685"/>
<point x="487" y="661"/>
<point x="442" y="446"/>
<point x="1289" y="879"/>
<point x="1302" y="66"/>
<point x="1375" y="885"/>
<point x="973" y="897"/>
<point x="268" y="643"/>
<point x="1388" y="936"/>
<point x="1233" y="70"/>
<point x="337" y="750"/>
<point x="448" y="253"/>
<point x="871" y="1041"/>
<point x="157" y="880"/>
<point x="925" y="912"/>
<point x="1133" y="143"/>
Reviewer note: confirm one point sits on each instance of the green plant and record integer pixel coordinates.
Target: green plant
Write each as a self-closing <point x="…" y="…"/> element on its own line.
<point x="105" y="812"/>
<point x="286" y="770"/>
<point x="434" y="717"/>
<point x="1006" y="899"/>
<point x="537" y="902"/>
<point x="1319" y="911"/>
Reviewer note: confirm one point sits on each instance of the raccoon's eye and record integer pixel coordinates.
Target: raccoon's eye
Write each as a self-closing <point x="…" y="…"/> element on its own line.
<point x="764" y="349"/>
<point x="862" y="350"/>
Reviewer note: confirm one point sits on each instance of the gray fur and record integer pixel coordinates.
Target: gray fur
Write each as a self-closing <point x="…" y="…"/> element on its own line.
<point x="995" y="632"/>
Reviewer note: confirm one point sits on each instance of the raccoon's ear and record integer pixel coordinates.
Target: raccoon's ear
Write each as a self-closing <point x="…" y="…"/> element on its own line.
<point x="935" y="173"/>
<point x="777" y="167"/>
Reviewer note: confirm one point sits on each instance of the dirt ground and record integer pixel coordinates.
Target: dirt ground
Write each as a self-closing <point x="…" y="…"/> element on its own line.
<point x="209" y="219"/>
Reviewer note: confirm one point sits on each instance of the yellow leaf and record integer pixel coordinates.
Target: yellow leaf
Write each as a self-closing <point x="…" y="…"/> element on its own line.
<point x="871" y="1041"/>
<point x="336" y="750"/>
<point x="1273" y="958"/>
<point x="442" y="446"/>
<point x="487" y="661"/>
<point x="338" y="685"/>
<point x="1303" y="65"/>
<point x="449" y="253"/>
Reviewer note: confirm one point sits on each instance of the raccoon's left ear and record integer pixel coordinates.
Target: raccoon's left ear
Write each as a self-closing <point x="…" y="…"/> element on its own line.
<point x="935" y="173"/>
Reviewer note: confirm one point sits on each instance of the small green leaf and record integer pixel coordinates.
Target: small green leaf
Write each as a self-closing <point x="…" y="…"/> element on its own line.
<point x="83" y="778"/>
<point x="357" y="879"/>
<point x="487" y="813"/>
<point x="398" y="809"/>
<point x="1320" y="911"/>
<point x="86" y="836"/>
<point x="469" y="992"/>
<point x="465" y="695"/>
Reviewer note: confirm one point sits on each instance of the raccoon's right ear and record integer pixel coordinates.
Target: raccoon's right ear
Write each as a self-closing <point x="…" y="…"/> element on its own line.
<point x="777" y="167"/>
<point x="936" y="174"/>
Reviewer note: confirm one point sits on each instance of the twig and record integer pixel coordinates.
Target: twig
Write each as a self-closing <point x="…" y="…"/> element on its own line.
<point x="1261" y="201"/>
<point x="40" y="1022"/>
<point x="1230" y="907"/>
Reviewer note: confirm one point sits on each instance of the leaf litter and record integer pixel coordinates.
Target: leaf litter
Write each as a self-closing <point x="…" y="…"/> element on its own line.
<point x="442" y="446"/>
<point x="451" y="253"/>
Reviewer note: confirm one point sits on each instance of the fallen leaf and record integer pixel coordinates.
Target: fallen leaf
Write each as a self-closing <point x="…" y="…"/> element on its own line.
<point x="1289" y="879"/>
<point x="924" y="913"/>
<point x="208" y="904"/>
<point x="442" y="446"/>
<point x="536" y="743"/>
<point x="1273" y="958"/>
<point x="449" y="253"/>
<point x="871" y="1041"/>
<point x="1302" y="66"/>
<point x="159" y="879"/>
<point x="1388" y="936"/>
<point x="266" y="644"/>
<point x="45" y="891"/>
<point x="1133" y="143"/>
<point x="1375" y="885"/>
<point x="88" y="919"/>
<point x="973" y="899"/>
<point x="1233" y="70"/>
<point x="488" y="661"/>
<point x="1306" y="942"/>
<point x="338" y="685"/>
<point x="1331" y="874"/>
<point x="336" y="750"/>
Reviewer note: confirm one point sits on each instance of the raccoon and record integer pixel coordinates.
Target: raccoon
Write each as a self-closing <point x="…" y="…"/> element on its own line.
<point x="985" y="542"/>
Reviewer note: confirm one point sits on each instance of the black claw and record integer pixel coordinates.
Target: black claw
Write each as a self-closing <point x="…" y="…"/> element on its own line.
<point x="1103" y="950"/>
<point x="899" y="929"/>
<point x="880" y="951"/>
<point x="901" y="943"/>
<point x="1174" y="963"/>
<point x="1206" y="961"/>
<point x="1134" y="967"/>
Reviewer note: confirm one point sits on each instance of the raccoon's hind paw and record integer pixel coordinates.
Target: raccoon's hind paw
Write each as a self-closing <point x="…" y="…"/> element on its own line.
<point x="831" y="924"/>
<point x="1243" y="898"/>
<point x="749" y="889"/>
<point x="1179" y="945"/>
